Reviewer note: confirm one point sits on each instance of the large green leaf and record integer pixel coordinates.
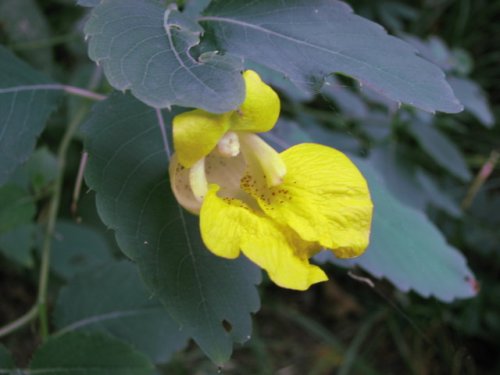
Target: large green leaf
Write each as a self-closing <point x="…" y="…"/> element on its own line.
<point x="127" y="167"/>
<point x="306" y="40"/>
<point x="26" y="101"/>
<point x="146" y="47"/>
<point x="440" y="148"/>
<point x="405" y="247"/>
<point x="89" y="354"/>
<point x="112" y="298"/>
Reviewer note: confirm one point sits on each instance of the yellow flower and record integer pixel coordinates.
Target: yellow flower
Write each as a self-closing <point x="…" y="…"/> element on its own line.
<point x="278" y="209"/>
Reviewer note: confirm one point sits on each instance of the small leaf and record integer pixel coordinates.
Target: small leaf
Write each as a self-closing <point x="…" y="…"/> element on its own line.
<point x="25" y="23"/>
<point x="473" y="98"/>
<point x="16" y="207"/>
<point x="146" y="48"/>
<point x="89" y="354"/>
<point x="38" y="172"/>
<point x="26" y="100"/>
<point x="76" y="248"/>
<point x="112" y="298"/>
<point x="18" y="243"/>
<point x="440" y="148"/>
<point x="307" y="40"/>
<point x="128" y="169"/>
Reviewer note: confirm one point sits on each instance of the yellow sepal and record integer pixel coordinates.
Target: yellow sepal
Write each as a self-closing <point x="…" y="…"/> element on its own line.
<point x="196" y="133"/>
<point x="261" y="108"/>
<point x="228" y="225"/>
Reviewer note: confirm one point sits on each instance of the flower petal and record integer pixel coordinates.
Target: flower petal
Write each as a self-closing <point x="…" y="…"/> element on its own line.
<point x="196" y="133"/>
<point x="260" y="110"/>
<point x="323" y="197"/>
<point x="228" y="225"/>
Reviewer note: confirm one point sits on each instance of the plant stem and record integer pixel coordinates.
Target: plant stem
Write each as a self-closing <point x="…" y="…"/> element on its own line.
<point x="480" y="179"/>
<point x="51" y="223"/>
<point x="19" y="322"/>
<point x="40" y="307"/>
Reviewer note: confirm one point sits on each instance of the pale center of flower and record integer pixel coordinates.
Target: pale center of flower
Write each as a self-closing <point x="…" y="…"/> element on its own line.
<point x="262" y="159"/>
<point x="229" y="145"/>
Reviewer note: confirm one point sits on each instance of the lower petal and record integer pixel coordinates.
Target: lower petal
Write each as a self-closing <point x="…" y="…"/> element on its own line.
<point x="228" y="225"/>
<point x="323" y="197"/>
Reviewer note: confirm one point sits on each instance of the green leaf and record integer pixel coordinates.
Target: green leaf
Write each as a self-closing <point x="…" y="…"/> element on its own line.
<point x="89" y="354"/>
<point x="38" y="172"/>
<point x="408" y="250"/>
<point x="306" y="40"/>
<point x="128" y="169"/>
<point x="17" y="244"/>
<point x="88" y="3"/>
<point x="76" y="248"/>
<point x="16" y="207"/>
<point x="437" y="195"/>
<point x="112" y="298"/>
<point x="473" y="98"/>
<point x="26" y="100"/>
<point x="146" y="48"/>
<point x="6" y="362"/>
<point x="25" y="25"/>
<point x="405" y="246"/>
<point x="398" y="172"/>
<point x="440" y="148"/>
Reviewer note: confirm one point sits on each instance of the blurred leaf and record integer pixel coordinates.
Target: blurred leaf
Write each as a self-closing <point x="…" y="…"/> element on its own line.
<point x="88" y="3"/>
<point x="128" y="169"/>
<point x="348" y="102"/>
<point x="440" y="148"/>
<point x="473" y="98"/>
<point x="437" y="195"/>
<point x="393" y="14"/>
<point x="113" y="299"/>
<point x="25" y="105"/>
<point x="38" y="172"/>
<point x="433" y="49"/>
<point x="18" y="243"/>
<point x="408" y="250"/>
<point x="398" y="174"/>
<point x="89" y="354"/>
<point x="308" y="40"/>
<point x="76" y="248"/>
<point x="24" y="23"/>
<point x="6" y="362"/>
<point x="277" y="80"/>
<point x="16" y="207"/>
<point x="145" y="47"/>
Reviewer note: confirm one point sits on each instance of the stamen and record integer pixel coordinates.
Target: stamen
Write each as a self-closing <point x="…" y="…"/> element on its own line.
<point x="198" y="180"/>
<point x="229" y="145"/>
<point x="259" y="153"/>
